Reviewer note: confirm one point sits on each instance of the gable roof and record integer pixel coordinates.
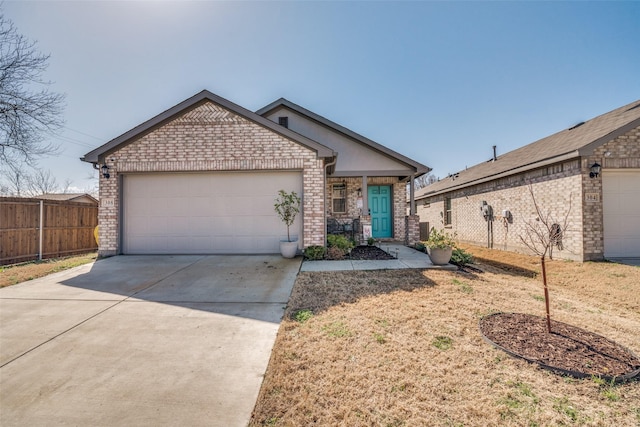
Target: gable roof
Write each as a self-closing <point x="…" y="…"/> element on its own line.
<point x="70" y="197"/>
<point x="579" y="140"/>
<point x="96" y="155"/>
<point x="282" y="102"/>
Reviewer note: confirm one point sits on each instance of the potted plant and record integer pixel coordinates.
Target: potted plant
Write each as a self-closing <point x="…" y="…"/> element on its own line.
<point x="440" y="246"/>
<point x="287" y="206"/>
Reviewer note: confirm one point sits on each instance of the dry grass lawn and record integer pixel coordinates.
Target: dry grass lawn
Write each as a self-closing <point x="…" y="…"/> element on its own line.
<point x="12" y="274"/>
<point x="402" y="348"/>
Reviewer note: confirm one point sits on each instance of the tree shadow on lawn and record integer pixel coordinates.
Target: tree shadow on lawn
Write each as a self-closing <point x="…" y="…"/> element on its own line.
<point x="319" y="291"/>
<point x="508" y="269"/>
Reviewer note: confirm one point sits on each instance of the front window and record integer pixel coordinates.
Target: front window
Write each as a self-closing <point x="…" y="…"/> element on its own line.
<point x="339" y="198"/>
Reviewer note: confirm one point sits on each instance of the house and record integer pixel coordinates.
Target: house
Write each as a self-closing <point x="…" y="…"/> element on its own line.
<point x="70" y="197"/>
<point x="590" y="172"/>
<point x="202" y="177"/>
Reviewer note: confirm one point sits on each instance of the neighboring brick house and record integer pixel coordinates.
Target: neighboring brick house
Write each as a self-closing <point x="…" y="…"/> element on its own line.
<point x="604" y="209"/>
<point x="202" y="177"/>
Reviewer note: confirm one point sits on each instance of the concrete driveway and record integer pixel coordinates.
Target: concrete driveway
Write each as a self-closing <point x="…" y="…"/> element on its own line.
<point x="141" y="340"/>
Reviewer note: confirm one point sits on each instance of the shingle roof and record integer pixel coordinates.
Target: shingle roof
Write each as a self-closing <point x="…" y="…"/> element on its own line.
<point x="419" y="167"/>
<point x="579" y="140"/>
<point x="96" y="155"/>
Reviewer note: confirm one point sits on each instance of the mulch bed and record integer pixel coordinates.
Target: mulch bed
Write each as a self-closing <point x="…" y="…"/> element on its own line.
<point x="566" y="350"/>
<point x="372" y="253"/>
<point x="369" y="253"/>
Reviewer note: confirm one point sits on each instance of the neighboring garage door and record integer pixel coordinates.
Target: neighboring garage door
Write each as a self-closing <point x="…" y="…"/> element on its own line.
<point x="621" y="210"/>
<point x="205" y="213"/>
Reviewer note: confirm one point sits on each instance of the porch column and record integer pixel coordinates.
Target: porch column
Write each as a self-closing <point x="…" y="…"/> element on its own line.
<point x="412" y="200"/>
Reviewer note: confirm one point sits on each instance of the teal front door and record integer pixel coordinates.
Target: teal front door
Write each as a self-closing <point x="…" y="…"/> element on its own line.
<point x="380" y="210"/>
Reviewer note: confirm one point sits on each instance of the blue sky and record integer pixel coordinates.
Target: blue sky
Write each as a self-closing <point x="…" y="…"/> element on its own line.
<point x="440" y="82"/>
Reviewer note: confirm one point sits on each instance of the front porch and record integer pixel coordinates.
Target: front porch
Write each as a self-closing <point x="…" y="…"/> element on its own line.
<point x="370" y="207"/>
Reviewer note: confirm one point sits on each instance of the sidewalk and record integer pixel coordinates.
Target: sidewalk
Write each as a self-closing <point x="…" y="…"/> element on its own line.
<point x="406" y="258"/>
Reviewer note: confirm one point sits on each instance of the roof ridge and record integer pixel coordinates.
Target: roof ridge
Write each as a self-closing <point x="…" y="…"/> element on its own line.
<point x="572" y="142"/>
<point x="344" y="130"/>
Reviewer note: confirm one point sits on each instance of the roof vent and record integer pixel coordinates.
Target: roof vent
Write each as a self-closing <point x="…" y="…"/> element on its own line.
<point x="576" y="126"/>
<point x="495" y="156"/>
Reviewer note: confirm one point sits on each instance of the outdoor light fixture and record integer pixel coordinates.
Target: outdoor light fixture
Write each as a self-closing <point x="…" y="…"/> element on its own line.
<point x="359" y="192"/>
<point x="595" y="170"/>
<point x="105" y="171"/>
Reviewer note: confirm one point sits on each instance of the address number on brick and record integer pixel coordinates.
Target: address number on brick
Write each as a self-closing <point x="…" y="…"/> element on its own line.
<point x="592" y="197"/>
<point x="108" y="202"/>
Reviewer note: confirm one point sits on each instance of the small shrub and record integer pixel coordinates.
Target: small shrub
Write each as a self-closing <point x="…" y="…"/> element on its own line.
<point x="461" y="257"/>
<point x="335" y="253"/>
<point x="314" y="252"/>
<point x="339" y="246"/>
<point x="440" y="239"/>
<point x="339" y="242"/>
<point x="371" y="241"/>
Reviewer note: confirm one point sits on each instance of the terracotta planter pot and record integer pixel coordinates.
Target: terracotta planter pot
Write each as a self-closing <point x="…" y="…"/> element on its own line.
<point x="288" y="249"/>
<point x="440" y="256"/>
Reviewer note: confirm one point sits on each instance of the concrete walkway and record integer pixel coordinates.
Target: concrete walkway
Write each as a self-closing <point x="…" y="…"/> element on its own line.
<point x="405" y="258"/>
<point x="142" y="341"/>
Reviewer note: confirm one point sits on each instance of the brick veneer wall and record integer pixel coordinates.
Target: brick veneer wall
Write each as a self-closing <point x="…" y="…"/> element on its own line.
<point x="622" y="152"/>
<point x="412" y="230"/>
<point x="556" y="188"/>
<point x="552" y="186"/>
<point x="211" y="138"/>
<point x="353" y="184"/>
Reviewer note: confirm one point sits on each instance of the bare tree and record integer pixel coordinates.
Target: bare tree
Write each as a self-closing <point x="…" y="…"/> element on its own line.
<point x="28" y="110"/>
<point x="16" y="182"/>
<point x="424" y="180"/>
<point x="542" y="234"/>
<point x="66" y="186"/>
<point x="42" y="182"/>
<point x="92" y="187"/>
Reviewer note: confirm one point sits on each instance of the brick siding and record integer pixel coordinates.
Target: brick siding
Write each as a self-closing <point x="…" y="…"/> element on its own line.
<point x="211" y="138"/>
<point x="558" y="188"/>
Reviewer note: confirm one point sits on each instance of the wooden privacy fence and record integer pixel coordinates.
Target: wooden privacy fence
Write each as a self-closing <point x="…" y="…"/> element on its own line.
<point x="33" y="229"/>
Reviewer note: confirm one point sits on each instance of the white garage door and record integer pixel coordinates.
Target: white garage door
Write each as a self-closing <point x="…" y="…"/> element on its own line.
<point x="205" y="213"/>
<point x="621" y="209"/>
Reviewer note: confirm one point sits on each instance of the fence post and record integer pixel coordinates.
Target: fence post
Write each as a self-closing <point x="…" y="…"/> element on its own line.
<point x="41" y="230"/>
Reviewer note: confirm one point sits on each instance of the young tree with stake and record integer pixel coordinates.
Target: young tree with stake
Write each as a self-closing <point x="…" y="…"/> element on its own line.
<point x="542" y="234"/>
